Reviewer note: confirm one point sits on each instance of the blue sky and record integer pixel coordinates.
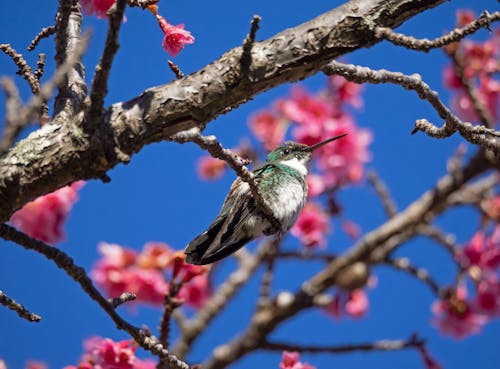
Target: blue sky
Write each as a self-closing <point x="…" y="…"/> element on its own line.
<point x="159" y="197"/>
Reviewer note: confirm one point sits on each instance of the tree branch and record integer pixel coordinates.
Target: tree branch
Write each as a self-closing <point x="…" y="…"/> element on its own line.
<point x="160" y="112"/>
<point x="480" y="135"/>
<point x="44" y="33"/>
<point x="18" y="308"/>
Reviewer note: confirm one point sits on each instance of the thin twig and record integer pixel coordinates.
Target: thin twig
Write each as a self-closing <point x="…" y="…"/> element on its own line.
<point x="24" y="69"/>
<point x="448" y="241"/>
<point x="175" y="68"/>
<point x="248" y="42"/>
<point x="384" y="345"/>
<point x="215" y="149"/>
<point x="18" y="308"/>
<point x="142" y="3"/>
<point x="327" y="258"/>
<point x="170" y="304"/>
<point x="383" y="192"/>
<point x="421" y="274"/>
<point x="480" y="135"/>
<point x="77" y="273"/>
<point x="484" y="21"/>
<point x="12" y="127"/>
<point x="267" y="278"/>
<point x="123" y="298"/>
<point x="44" y="33"/>
<point x="99" y="88"/>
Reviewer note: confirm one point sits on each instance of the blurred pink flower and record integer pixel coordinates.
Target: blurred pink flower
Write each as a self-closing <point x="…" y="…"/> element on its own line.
<point x="456" y="317"/>
<point x="210" y="168"/>
<point x="482" y="251"/>
<point x="487" y="300"/>
<point x="353" y="303"/>
<point x="464" y="17"/>
<point x="183" y="272"/>
<point x="315" y="185"/>
<point x="346" y="91"/>
<point x="175" y="37"/>
<point x="311" y="226"/>
<point x="351" y="229"/>
<point x="196" y="292"/>
<point x="97" y="7"/>
<point x="268" y="128"/>
<point x="44" y="217"/>
<point x="304" y="108"/>
<point x="155" y="255"/>
<point x="291" y="360"/>
<point x="32" y="364"/>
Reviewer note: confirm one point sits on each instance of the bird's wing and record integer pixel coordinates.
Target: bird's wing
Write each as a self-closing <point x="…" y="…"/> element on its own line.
<point x="227" y="234"/>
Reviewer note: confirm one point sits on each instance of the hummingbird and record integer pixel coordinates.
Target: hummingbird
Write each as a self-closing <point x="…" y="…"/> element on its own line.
<point x="282" y="183"/>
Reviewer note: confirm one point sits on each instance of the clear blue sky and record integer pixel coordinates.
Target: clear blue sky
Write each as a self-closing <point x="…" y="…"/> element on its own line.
<point x="159" y="197"/>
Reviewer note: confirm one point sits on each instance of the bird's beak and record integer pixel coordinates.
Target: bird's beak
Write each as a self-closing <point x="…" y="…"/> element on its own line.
<point x="319" y="144"/>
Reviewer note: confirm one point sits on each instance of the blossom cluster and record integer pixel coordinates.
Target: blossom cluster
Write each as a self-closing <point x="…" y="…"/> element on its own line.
<point x="121" y="269"/>
<point x="291" y="360"/>
<point x="459" y="316"/>
<point x="104" y="353"/>
<point x="480" y="62"/>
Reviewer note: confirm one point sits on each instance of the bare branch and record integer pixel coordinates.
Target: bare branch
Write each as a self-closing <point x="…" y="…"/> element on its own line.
<point x="123" y="298"/>
<point x="215" y="149"/>
<point x="18" y="308"/>
<point x="484" y="21"/>
<point x="383" y="192"/>
<point x="12" y="127"/>
<point x="77" y="273"/>
<point x="248" y="42"/>
<point x="142" y="3"/>
<point x="44" y="33"/>
<point x="267" y="279"/>
<point x="171" y="303"/>
<point x="175" y="68"/>
<point x="24" y="69"/>
<point x="99" y="88"/>
<point x="306" y="256"/>
<point x="404" y="264"/>
<point x="480" y="135"/>
<point x="384" y="345"/>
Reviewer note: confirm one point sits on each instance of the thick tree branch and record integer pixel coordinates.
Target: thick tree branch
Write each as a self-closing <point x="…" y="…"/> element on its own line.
<point x="59" y="154"/>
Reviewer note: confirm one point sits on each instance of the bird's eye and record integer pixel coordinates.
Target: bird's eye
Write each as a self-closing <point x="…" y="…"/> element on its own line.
<point x="286" y="151"/>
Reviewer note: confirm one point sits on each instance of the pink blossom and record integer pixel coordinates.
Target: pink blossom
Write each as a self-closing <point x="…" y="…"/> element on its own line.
<point x="104" y="353"/>
<point x="456" y="317"/>
<point x="464" y="17"/>
<point x="291" y="360"/>
<point x="315" y="185"/>
<point x="351" y="229"/>
<point x="196" y="292"/>
<point x="304" y="108"/>
<point x="487" y="300"/>
<point x="311" y="226"/>
<point x="184" y="272"/>
<point x="148" y="285"/>
<point x="155" y="255"/>
<point x="44" y="217"/>
<point x="175" y="37"/>
<point x="346" y="91"/>
<point x="210" y="168"/>
<point x="268" y="128"/>
<point x="482" y="251"/>
<point x="353" y="303"/>
<point x="97" y="7"/>
<point x="32" y="364"/>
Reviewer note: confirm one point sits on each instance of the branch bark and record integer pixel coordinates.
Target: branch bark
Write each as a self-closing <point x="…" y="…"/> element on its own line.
<point x="60" y="153"/>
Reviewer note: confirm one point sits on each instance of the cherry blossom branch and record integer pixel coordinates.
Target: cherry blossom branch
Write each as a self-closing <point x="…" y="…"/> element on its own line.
<point x="77" y="273"/>
<point x="99" y="88"/>
<point x="216" y="149"/>
<point x="18" y="308"/>
<point x="484" y="21"/>
<point x="44" y="33"/>
<point x="72" y="89"/>
<point x="383" y="192"/>
<point x="383" y="345"/>
<point x="193" y="328"/>
<point x="480" y="108"/>
<point x="480" y="135"/>
<point x="421" y="274"/>
<point x="123" y="298"/>
<point x="163" y="111"/>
